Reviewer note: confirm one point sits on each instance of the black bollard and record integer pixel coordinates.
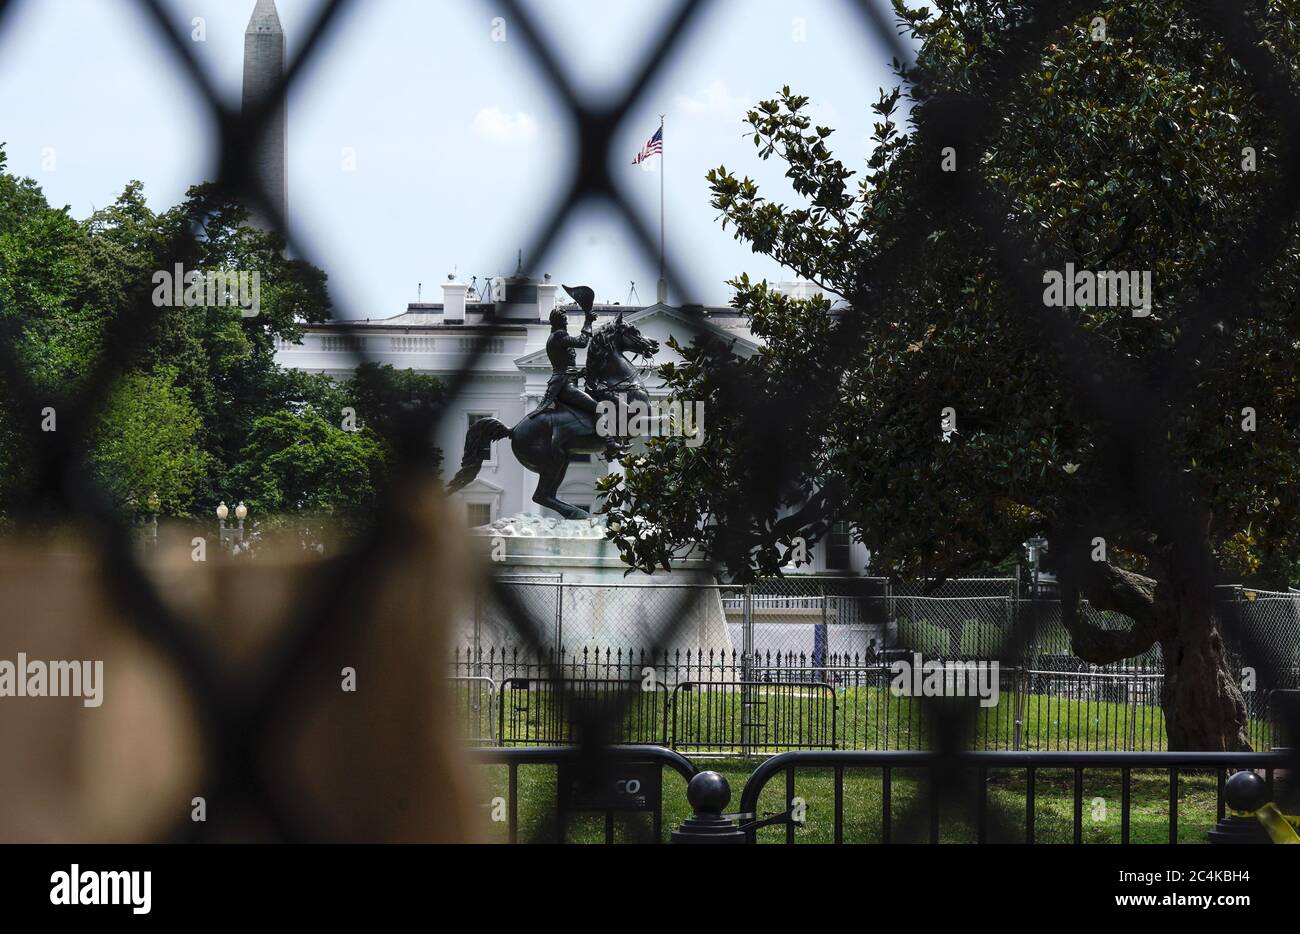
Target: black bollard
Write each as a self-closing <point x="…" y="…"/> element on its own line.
<point x="709" y="794"/>
<point x="1244" y="791"/>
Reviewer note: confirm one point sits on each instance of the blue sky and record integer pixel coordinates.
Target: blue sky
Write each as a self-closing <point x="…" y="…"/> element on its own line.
<point x="459" y="146"/>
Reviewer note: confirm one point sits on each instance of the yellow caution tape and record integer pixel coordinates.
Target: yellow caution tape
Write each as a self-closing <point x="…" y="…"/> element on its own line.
<point x="1294" y="820"/>
<point x="1277" y="824"/>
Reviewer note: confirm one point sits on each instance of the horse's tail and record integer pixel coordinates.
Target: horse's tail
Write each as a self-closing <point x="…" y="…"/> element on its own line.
<point x="485" y="429"/>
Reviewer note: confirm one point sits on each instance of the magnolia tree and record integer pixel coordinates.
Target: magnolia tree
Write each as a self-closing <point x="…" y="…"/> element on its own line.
<point x="1064" y="304"/>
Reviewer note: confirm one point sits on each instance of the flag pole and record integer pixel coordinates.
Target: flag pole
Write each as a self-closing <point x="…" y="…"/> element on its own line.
<point x="663" y="282"/>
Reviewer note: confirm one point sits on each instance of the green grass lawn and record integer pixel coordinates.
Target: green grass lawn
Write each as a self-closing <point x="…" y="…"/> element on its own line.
<point x="863" y="806"/>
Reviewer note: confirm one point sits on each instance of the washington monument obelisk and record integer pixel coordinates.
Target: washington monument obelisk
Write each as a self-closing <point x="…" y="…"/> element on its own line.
<point x="264" y="61"/>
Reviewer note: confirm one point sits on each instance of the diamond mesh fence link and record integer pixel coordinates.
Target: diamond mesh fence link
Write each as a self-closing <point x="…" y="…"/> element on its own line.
<point x="1276" y="618"/>
<point x="599" y="711"/>
<point x="582" y="618"/>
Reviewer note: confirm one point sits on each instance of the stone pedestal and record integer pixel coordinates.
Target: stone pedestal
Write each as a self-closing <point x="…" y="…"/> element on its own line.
<point x="578" y="591"/>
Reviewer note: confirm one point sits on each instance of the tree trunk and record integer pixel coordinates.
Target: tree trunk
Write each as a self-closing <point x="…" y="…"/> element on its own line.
<point x="1203" y="706"/>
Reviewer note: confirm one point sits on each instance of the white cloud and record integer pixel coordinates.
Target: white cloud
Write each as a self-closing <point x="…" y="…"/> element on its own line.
<point x="716" y="100"/>
<point x="497" y="126"/>
<point x="823" y="113"/>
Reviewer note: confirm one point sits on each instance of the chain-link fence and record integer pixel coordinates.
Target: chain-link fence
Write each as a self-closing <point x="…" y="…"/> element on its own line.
<point x="815" y="619"/>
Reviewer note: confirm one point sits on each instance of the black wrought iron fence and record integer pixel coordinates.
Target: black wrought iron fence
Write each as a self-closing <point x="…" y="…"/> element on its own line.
<point x="929" y="812"/>
<point x="822" y="796"/>
<point x="846" y="703"/>
<point x="548" y="711"/>
<point x="845" y="635"/>
<point x="749" y="716"/>
<point x="477" y="705"/>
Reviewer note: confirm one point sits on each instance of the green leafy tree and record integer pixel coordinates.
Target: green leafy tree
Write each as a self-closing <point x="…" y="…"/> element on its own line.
<point x="226" y="360"/>
<point x="301" y="463"/>
<point x="1118" y="155"/>
<point x="389" y="400"/>
<point x="66" y="285"/>
<point x="51" y="314"/>
<point x="144" y="444"/>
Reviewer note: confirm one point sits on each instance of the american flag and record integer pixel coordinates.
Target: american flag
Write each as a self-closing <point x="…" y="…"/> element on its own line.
<point x="654" y="145"/>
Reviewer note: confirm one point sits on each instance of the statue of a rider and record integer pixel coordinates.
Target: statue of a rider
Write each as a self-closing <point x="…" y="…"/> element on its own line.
<point x="561" y="351"/>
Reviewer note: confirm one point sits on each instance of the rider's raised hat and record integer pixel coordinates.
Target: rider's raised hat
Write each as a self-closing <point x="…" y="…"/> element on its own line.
<point x="583" y="295"/>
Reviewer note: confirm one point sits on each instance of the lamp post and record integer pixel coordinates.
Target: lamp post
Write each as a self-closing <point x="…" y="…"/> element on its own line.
<point x="1036" y="546"/>
<point x="144" y="534"/>
<point x="151" y="526"/>
<point x="231" y="538"/>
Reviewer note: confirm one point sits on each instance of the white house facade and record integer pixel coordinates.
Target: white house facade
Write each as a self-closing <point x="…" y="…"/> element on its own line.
<point x="509" y="379"/>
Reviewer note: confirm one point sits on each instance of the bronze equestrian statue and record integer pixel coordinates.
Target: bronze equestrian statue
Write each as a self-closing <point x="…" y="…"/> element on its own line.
<point x="561" y="352"/>
<point x="564" y="422"/>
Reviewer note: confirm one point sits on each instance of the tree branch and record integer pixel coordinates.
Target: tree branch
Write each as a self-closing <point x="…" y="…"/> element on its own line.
<point x="1110" y="588"/>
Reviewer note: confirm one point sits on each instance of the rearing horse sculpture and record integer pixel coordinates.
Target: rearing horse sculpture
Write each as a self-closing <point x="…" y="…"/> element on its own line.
<point x="543" y="440"/>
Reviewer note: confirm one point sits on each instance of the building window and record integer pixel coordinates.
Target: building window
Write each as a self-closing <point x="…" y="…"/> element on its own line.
<point x="837" y="547"/>
<point x="478" y="514"/>
<point x="485" y="449"/>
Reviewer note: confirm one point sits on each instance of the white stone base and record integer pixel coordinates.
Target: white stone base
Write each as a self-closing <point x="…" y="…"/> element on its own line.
<point x="580" y="595"/>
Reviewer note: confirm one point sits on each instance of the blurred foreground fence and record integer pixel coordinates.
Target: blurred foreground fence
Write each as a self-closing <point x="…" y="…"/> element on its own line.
<point x="379" y="770"/>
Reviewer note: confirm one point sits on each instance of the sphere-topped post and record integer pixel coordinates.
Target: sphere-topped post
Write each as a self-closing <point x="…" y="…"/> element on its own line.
<point x="709" y="794"/>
